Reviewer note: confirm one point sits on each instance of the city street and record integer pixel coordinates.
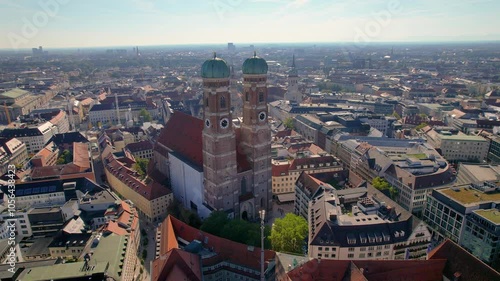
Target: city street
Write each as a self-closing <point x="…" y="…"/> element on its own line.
<point x="150" y="248"/>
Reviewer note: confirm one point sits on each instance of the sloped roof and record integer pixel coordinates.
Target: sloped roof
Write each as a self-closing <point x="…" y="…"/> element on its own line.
<point x="225" y="249"/>
<point x="280" y="169"/>
<point x="312" y="161"/>
<point x="183" y="134"/>
<point x="460" y="261"/>
<point x="177" y="265"/>
<point x="370" y="270"/>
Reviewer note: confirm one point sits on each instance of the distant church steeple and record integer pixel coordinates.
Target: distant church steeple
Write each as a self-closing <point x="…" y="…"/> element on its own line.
<point x="293" y="94"/>
<point x="117" y="108"/>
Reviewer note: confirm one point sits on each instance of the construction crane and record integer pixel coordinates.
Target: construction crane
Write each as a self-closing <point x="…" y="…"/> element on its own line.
<point x="6" y="112"/>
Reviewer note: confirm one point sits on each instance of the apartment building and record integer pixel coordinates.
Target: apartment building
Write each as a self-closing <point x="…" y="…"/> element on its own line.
<point x="35" y="136"/>
<point x="307" y="187"/>
<point x="149" y="197"/>
<point x="142" y="149"/>
<point x="412" y="167"/>
<point x="46" y="157"/>
<point x="371" y="227"/>
<point x="458" y="147"/>
<point x="12" y="152"/>
<point x="284" y="178"/>
<point x="468" y="215"/>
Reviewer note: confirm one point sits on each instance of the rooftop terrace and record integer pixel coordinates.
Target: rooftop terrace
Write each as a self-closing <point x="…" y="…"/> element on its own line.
<point x="492" y="215"/>
<point x="467" y="195"/>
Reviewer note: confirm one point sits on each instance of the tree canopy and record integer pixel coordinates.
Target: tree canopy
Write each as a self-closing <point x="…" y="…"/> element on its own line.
<point x="396" y="115"/>
<point x="288" y="123"/>
<point x="237" y="230"/>
<point x="65" y="157"/>
<point x="421" y="126"/>
<point x="141" y="166"/>
<point x="289" y="233"/>
<point x="382" y="185"/>
<point x="146" y="115"/>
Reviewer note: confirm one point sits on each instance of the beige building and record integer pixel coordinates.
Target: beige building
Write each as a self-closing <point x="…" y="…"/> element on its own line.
<point x="149" y="197"/>
<point x="285" y="174"/>
<point x="12" y="152"/>
<point x="18" y="102"/>
<point x="459" y="147"/>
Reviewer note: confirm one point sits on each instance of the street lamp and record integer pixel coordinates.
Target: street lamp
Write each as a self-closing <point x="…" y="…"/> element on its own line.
<point x="262" y="214"/>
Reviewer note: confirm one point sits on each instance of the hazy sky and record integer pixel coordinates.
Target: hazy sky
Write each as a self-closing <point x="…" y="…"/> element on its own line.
<point x="76" y="23"/>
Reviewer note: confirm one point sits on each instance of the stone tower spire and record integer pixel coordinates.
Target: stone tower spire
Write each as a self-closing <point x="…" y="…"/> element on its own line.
<point x="117" y="108"/>
<point x="293" y="94"/>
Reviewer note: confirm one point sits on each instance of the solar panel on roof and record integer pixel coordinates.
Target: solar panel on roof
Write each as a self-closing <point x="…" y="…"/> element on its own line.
<point x="27" y="191"/>
<point x="19" y="192"/>
<point x="52" y="188"/>
<point x="44" y="189"/>
<point x="36" y="190"/>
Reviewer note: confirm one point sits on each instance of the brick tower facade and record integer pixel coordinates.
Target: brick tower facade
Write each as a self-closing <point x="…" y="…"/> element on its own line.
<point x="219" y="142"/>
<point x="236" y="161"/>
<point x="255" y="131"/>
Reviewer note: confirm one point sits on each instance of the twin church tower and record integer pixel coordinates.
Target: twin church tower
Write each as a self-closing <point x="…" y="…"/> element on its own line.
<point x="236" y="161"/>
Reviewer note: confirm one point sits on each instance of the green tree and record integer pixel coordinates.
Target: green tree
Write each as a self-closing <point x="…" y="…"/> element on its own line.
<point x="421" y="126"/>
<point x="380" y="183"/>
<point x="395" y="114"/>
<point x="141" y="166"/>
<point x="288" y="123"/>
<point x="144" y="254"/>
<point x="215" y="223"/>
<point x="146" y="115"/>
<point x="65" y="158"/>
<point x="288" y="234"/>
<point x="245" y="232"/>
<point x="384" y="186"/>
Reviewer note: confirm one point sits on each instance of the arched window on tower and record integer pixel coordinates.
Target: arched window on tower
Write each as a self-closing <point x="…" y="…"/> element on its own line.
<point x="262" y="203"/>
<point x="206" y="102"/>
<point x="222" y="102"/>
<point x="247" y="96"/>
<point x="261" y="97"/>
<point x="243" y="185"/>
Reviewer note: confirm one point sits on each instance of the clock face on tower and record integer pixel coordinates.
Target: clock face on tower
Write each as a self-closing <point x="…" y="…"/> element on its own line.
<point x="207" y="123"/>
<point x="224" y="123"/>
<point x="262" y="116"/>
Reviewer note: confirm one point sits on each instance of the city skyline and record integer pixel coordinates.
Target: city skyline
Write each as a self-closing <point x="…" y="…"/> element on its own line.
<point x="66" y="23"/>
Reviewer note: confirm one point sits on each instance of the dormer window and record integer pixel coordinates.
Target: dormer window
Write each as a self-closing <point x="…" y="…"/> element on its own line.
<point x="261" y="97"/>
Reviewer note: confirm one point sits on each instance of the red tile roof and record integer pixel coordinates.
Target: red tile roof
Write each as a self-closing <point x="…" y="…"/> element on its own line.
<point x="279" y="170"/>
<point x="126" y="219"/>
<point x="81" y="156"/>
<point x="150" y="191"/>
<point x="226" y="250"/>
<point x="312" y="160"/>
<point x="183" y="134"/>
<point x="371" y="270"/>
<point x="177" y="265"/>
<point x="139" y="146"/>
<point x="463" y="262"/>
